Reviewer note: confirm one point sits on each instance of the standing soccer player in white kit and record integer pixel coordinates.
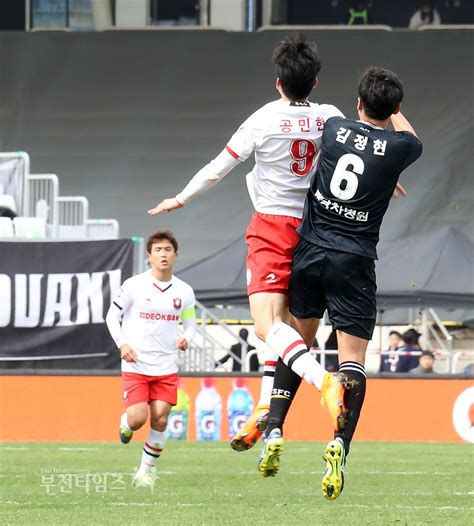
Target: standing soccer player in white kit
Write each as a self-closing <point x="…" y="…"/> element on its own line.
<point x="285" y="136"/>
<point x="143" y="321"/>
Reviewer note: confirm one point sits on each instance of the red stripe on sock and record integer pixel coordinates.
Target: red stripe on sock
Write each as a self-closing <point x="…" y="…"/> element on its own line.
<point x="153" y="448"/>
<point x="291" y="347"/>
<point x="270" y="364"/>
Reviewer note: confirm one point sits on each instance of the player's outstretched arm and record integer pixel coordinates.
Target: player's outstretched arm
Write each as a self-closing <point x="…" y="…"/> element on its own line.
<point x="400" y="123"/>
<point x="167" y="205"/>
<point x="205" y="179"/>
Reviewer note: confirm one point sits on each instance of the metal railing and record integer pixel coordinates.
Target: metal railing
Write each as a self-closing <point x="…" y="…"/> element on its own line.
<point x="248" y="357"/>
<point x="458" y="356"/>
<point x="329" y="27"/>
<point x="43" y="194"/>
<point x="446" y="27"/>
<point x="429" y="329"/>
<point x="73" y="213"/>
<point x="203" y="350"/>
<point x="449" y="360"/>
<point x="102" y="229"/>
<point x="139" y="261"/>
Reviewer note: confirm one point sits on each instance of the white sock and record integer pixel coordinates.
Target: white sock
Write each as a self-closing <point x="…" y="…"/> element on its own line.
<point x="152" y="450"/>
<point x="291" y="348"/>
<point x="124" y="421"/>
<point x="270" y="361"/>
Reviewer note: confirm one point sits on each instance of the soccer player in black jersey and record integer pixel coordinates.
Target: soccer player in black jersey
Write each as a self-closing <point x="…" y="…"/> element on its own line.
<point x="333" y="264"/>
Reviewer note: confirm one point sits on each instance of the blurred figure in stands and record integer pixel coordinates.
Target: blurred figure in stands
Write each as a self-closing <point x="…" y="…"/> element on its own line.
<point x="236" y="350"/>
<point x="388" y="362"/>
<point x="425" y="16"/>
<point x="425" y="363"/>
<point x="469" y="369"/>
<point x="406" y="361"/>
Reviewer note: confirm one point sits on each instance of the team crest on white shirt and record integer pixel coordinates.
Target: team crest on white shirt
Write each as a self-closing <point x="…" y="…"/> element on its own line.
<point x="177" y="303"/>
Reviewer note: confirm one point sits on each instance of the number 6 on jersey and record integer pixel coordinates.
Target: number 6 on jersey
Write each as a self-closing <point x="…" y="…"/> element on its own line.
<point x="342" y="174"/>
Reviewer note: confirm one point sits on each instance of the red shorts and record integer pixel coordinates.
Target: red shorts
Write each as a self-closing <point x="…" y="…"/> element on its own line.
<point x="143" y="388"/>
<point x="271" y="240"/>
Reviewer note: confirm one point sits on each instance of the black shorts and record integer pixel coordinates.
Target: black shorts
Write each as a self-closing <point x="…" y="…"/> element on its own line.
<point x="340" y="282"/>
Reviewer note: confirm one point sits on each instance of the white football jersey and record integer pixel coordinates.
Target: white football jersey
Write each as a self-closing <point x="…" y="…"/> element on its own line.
<point x="152" y="311"/>
<point x="285" y="137"/>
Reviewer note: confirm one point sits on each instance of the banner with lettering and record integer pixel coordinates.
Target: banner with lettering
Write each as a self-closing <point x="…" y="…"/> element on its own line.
<point x="54" y="297"/>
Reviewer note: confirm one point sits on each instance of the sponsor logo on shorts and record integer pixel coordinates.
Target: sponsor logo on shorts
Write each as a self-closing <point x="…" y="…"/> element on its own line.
<point x="157" y="316"/>
<point x="271" y="278"/>
<point x="177" y="303"/>
<point x="125" y="394"/>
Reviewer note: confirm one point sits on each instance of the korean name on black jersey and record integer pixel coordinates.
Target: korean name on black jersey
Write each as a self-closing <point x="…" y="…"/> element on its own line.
<point x="357" y="172"/>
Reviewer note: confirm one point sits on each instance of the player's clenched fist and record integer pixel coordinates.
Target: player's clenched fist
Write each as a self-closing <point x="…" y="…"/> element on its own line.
<point x="182" y="344"/>
<point x="128" y="354"/>
<point x="165" y="206"/>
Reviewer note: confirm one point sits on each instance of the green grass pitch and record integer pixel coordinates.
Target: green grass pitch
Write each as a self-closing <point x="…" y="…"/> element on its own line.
<point x="209" y="484"/>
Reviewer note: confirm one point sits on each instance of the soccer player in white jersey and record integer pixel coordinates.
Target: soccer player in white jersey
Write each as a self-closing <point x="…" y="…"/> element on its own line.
<point x="334" y="262"/>
<point x="284" y="136"/>
<point x="143" y="321"/>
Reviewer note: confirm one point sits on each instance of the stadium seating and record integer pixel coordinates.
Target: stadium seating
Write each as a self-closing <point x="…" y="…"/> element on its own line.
<point x="6" y="227"/>
<point x="102" y="229"/>
<point x="44" y="212"/>
<point x="29" y="227"/>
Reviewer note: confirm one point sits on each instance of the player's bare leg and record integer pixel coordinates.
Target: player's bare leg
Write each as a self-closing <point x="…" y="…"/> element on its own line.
<point x="154" y="444"/>
<point x="293" y="350"/>
<point x="285" y="387"/>
<point x="267" y="308"/>
<point x="351" y="358"/>
<point x="134" y="418"/>
<point x="307" y="328"/>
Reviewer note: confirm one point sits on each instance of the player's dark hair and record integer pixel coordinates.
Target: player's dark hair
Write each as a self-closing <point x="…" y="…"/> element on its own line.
<point x="158" y="236"/>
<point x="391" y="333"/>
<point x="380" y="91"/>
<point x="297" y="64"/>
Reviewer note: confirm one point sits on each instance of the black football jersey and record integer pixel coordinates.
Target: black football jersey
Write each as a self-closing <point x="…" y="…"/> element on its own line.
<point x="358" y="169"/>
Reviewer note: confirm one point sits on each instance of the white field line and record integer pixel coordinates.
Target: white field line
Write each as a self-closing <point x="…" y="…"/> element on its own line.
<point x="395" y="473"/>
<point x="141" y="504"/>
<point x="405" y="507"/>
<point x="77" y="448"/>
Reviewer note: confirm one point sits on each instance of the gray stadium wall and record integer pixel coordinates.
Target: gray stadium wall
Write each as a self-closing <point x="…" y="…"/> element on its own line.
<point x="126" y="118"/>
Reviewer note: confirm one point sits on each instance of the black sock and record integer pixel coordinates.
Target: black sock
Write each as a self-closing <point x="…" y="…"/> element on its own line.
<point x="353" y="400"/>
<point x="285" y="386"/>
